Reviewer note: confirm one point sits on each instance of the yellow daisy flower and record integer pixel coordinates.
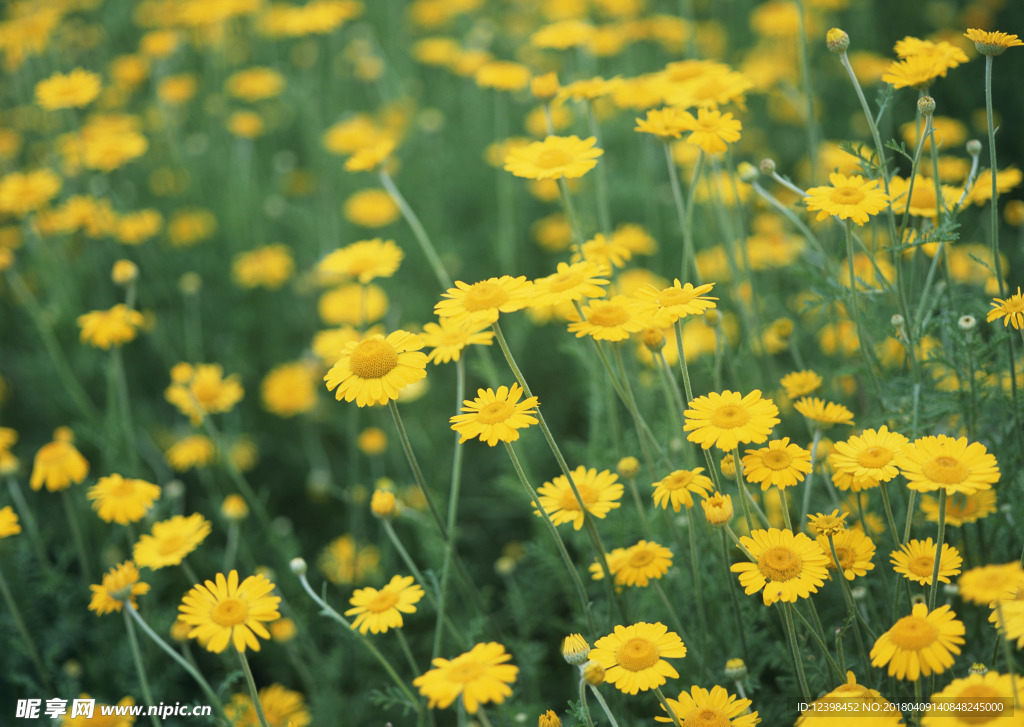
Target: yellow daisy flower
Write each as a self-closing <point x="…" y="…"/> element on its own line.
<point x="600" y="492"/>
<point x="823" y="413"/>
<point x="941" y="462"/>
<point x="1011" y="310"/>
<point x="975" y="699"/>
<point x="992" y="42"/>
<point x="678" y="489"/>
<point x="121" y="500"/>
<point x="569" y="283"/>
<point x="172" y="540"/>
<point x="9" y="524"/>
<point x="641" y="563"/>
<point x="202" y="389"/>
<point x="483" y="302"/>
<point x="281" y="706"/>
<point x="827" y="524"/>
<point x="107" y="328"/>
<point x="447" y="338"/>
<point x="725" y="420"/>
<point x="800" y="383"/>
<point x="120" y="584"/>
<point x="195" y="450"/>
<point x="634" y="656"/>
<point x="377" y="611"/>
<point x="478" y="676"/>
<point x="224" y="611"/>
<point x="68" y="90"/>
<point x="374" y="371"/>
<point x="608" y="320"/>
<point x="786" y="566"/>
<point x="715" y="707"/>
<point x="668" y="305"/>
<point x="556" y="157"/>
<point x="495" y="416"/>
<point x="915" y="561"/>
<point x="988" y="583"/>
<point x="58" y="465"/>
<point x="290" y="389"/>
<point x="867" y="706"/>
<point x="871" y="454"/>
<point x="365" y="260"/>
<point x="268" y="267"/>
<point x="920" y="644"/>
<point x="855" y="551"/>
<point x="666" y="123"/>
<point x="780" y="464"/>
<point x="711" y="129"/>
<point x="961" y="508"/>
<point x="849" y="198"/>
<point x="718" y="509"/>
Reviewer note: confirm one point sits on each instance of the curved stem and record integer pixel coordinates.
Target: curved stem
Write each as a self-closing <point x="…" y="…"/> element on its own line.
<point x="414" y="465"/>
<point x="140" y="669"/>
<point x="252" y="689"/>
<point x="418" y="231"/>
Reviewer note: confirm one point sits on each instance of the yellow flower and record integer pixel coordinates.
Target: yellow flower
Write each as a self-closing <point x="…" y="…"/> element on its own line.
<point x="377" y="611"/>
<point x="608" y="320"/>
<point x="575" y="649"/>
<point x="171" y="541"/>
<point x="851" y="700"/>
<point x="915" y="561"/>
<point x="121" y="500"/>
<point x="855" y="551"/>
<point x="780" y="464"/>
<point x="941" y="462"/>
<point x="642" y="562"/>
<point x="364" y="260"/>
<point x="134" y="228"/>
<point x="718" y="510"/>
<point x="245" y="124"/>
<point x="110" y="328"/>
<point x="871" y="454"/>
<point x="503" y="76"/>
<point x="668" y="305"/>
<point x="712" y="129"/>
<point x="263" y="267"/>
<point x="800" y="383"/>
<point x="599" y="491"/>
<point x="202" y="389"/>
<point x="992" y="43"/>
<point x="725" y="420"/>
<point x="372" y="441"/>
<point x="343" y="562"/>
<point x="447" y="339"/>
<point x="478" y="676"/>
<point x="920" y="644"/>
<point x="8" y="522"/>
<point x="282" y="707"/>
<point x="224" y="611"/>
<point x="58" y="465"/>
<point x="120" y="584"/>
<point x="988" y="583"/>
<point x="975" y="699"/>
<point x="371" y="208"/>
<point x="375" y="370"/>
<point x="255" y="84"/>
<point x="195" y="450"/>
<point x="678" y="488"/>
<point x="961" y="508"/>
<point x="24" y="192"/>
<point x="495" y="416"/>
<point x="830" y="524"/>
<point x="823" y="413"/>
<point x="1011" y="310"/>
<point x="483" y="302"/>
<point x="666" y="123"/>
<point x="786" y="566"/>
<point x="549" y="719"/>
<point x="289" y="389"/>
<point x="569" y="283"/>
<point x="634" y="656"/>
<point x="68" y="90"/>
<point x="556" y="157"/>
<point x="372" y="157"/>
<point x="848" y="197"/>
<point x="706" y="708"/>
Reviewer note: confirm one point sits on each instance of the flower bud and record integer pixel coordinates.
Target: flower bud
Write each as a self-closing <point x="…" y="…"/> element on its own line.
<point x="736" y="669"/>
<point x="896" y="321"/>
<point x="382" y="504"/>
<point x="234" y="508"/>
<point x="967" y="323"/>
<point x="837" y="40"/>
<point x="124" y="272"/>
<point x="628" y="467"/>
<point x="728" y="466"/>
<point x="653" y="338"/>
<point x="298" y="566"/>
<point x="979" y="669"/>
<point x="974" y="147"/>
<point x="575" y="649"/>
<point x="926" y="105"/>
<point x="593" y="673"/>
<point x="767" y="166"/>
<point x="747" y="172"/>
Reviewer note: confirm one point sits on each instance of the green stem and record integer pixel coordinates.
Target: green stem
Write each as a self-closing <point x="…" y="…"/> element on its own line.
<point x="140" y="669"/>
<point x="76" y="533"/>
<point x="583" y="701"/>
<point x="453" y="509"/>
<point x="741" y="624"/>
<point x="685" y="213"/>
<point x="601" y="184"/>
<point x="785" y="509"/>
<point x="604" y="706"/>
<point x="805" y="73"/>
<point x="787" y="618"/>
<point x="26" y="637"/>
<point x="31" y="526"/>
<point x="744" y="493"/>
<point x="252" y="689"/>
<point x="887" y="504"/>
<point x="818" y="634"/>
<point x="851" y="607"/>
<point x="910" y="517"/>
<point x="418" y="231"/>
<point x="124" y="405"/>
<point x="404" y="643"/>
<point x="417" y="473"/>
<point x="938" y="549"/>
<point x="668" y="709"/>
<point x="862" y="340"/>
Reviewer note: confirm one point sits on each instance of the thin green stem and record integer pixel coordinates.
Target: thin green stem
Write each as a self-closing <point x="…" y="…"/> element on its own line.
<point x="252" y="689"/>
<point x="910" y="517"/>
<point x="744" y="493"/>
<point x="604" y="706"/>
<point x="124" y="405"/>
<point x="787" y="618"/>
<point x="418" y="231"/>
<point x="453" y="510"/>
<point x="805" y="74"/>
<point x="583" y="701"/>
<point x="404" y="644"/>
<point x="851" y="607"/>
<point x="685" y="214"/>
<point x="938" y="549"/>
<point x="29" y="520"/>
<point x="417" y="473"/>
<point x="140" y="669"/>
<point x="76" y="533"/>
<point x="741" y="624"/>
<point x="601" y="183"/>
<point x="862" y="340"/>
<point x="817" y="632"/>
<point x="785" y="509"/>
<point x="887" y="504"/>
<point x="667" y="707"/>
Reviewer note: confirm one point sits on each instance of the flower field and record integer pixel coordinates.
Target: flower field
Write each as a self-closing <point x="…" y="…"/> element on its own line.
<point x="565" y="362"/>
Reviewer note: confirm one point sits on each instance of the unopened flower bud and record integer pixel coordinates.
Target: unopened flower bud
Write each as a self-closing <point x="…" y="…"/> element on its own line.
<point x="974" y="147"/>
<point x="382" y="504"/>
<point x="747" y="172"/>
<point x="549" y="719"/>
<point x="837" y="40"/>
<point x="575" y="649"/>
<point x="736" y="669"/>
<point x="628" y="467"/>
<point x="190" y="283"/>
<point x="718" y="509"/>
<point x="926" y="105"/>
<point x="967" y="323"/>
<point x="767" y="166"/>
<point x="979" y="669"/>
<point x="728" y="466"/>
<point x="124" y="272"/>
<point x="896" y="321"/>
<point x="653" y="338"/>
<point x="593" y="673"/>
<point x="298" y="566"/>
<point x="712" y="317"/>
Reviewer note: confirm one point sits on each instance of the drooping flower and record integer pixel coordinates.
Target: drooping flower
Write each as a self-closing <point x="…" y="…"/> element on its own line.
<point x="823" y="413"/>
<point x="786" y="566"/>
<point x="224" y="611"/>
<point x="375" y="370"/>
<point x="556" y="157"/>
<point x="725" y="420"/>
<point x="633" y="657"/>
<point x="172" y="540"/>
<point x="377" y="610"/>
<point x="479" y="676"/>
<point x="9" y="524"/>
<point x="920" y="644"/>
<point x="847" y="197"/>
<point x="58" y="465"/>
<point x="599" y="491"/>
<point x="120" y="584"/>
<point x="495" y="416"/>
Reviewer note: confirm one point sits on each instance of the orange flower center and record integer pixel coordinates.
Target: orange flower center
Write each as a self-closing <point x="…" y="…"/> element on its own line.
<point x="637" y="655"/>
<point x="553" y="158"/>
<point x="373" y="359"/>
<point x="945" y="470"/>
<point x="779" y="564"/>
<point x="230" y="612"/>
<point x="874" y="457"/>
<point x="730" y="416"/>
<point x="484" y="296"/>
<point x="913" y="633"/>
<point x="465" y="671"/>
<point x="382" y="601"/>
<point x="641" y="558"/>
<point x="922" y="566"/>
<point x="706" y="717"/>
<point x="609" y="315"/>
<point x="847" y="195"/>
<point x="495" y="412"/>
<point x="777" y="459"/>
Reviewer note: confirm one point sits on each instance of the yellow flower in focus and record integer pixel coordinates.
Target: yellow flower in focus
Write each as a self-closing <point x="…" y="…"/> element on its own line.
<point x="483" y="302"/>
<point x="557" y="157"/>
<point x="58" y="465"/>
<point x="599" y="491"/>
<point x="668" y="305"/>
<point x="718" y="509"/>
<point x="715" y="707"/>
<point x="847" y="197"/>
<point x="171" y="541"/>
<point x="942" y="462"/>
<point x="224" y="611"/>
<point x="780" y="464"/>
<point x="786" y="566"/>
<point x="1011" y="310"/>
<point x="641" y="563"/>
<point x="855" y="551"/>
<point x="827" y="524"/>
<point x="920" y="644"/>
<point x="634" y="656"/>
<point x="915" y="561"/>
<point x="992" y="42"/>
<point x="851" y="700"/>
<point x="725" y="420"/>
<point x="871" y="454"/>
<point x="375" y="370"/>
<point x="120" y="584"/>
<point x="712" y="129"/>
<point x="478" y="677"/>
<point x="68" y="90"/>
<point x="122" y="500"/>
<point x="377" y="610"/>
<point x="110" y="328"/>
<point x="678" y="489"/>
<point x="202" y="389"/>
<point x="823" y="413"/>
<point x="666" y="123"/>
<point x="495" y="416"/>
<point x="609" y="320"/>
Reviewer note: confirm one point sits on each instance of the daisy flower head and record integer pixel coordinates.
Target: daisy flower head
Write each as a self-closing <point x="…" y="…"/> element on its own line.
<point x="282" y="707"/>
<point x="570" y="282"/>
<point x="961" y="508"/>
<point x="780" y="464"/>
<point x="921" y="644"/>
<point x="224" y="611"/>
<point x="992" y="42"/>
<point x="479" y="676"/>
<point x="447" y="338"/>
<point x="823" y="413"/>
<point x="203" y="389"/>
<point x="642" y="563"/>
<point x="718" y="509"/>
<point x="58" y="464"/>
<point x="827" y="524"/>
<point x="668" y="305"/>
<point x="122" y="500"/>
<point x="9" y="524"/>
<point x="725" y="420"/>
<point x="120" y="584"/>
<point x="365" y="260"/>
<point x="867" y="706"/>
<point x="633" y="657"/>
<point x="712" y="130"/>
<point x="377" y="610"/>
<point x="110" y="328"/>
<point x="964" y="700"/>
<point x="600" y="493"/>
<point x="666" y="123"/>
<point x="800" y="383"/>
<point x="375" y="370"/>
<point x="944" y="463"/>
<point x="855" y="551"/>
<point x="68" y="90"/>
<point x="988" y="583"/>
<point x="615" y="559"/>
<point x="608" y="252"/>
<point x="483" y="302"/>
<point x="847" y="197"/>
<point x="608" y="320"/>
<point x="575" y="649"/>
<point x="495" y="416"/>
<point x="915" y="561"/>
<point x="557" y="157"/>
<point x="171" y="541"/>
<point x="1008" y="614"/>
<point x="872" y="454"/>
<point x="678" y="489"/>
<point x="786" y="566"/>
<point x="716" y="707"/>
<point x="1011" y="310"/>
